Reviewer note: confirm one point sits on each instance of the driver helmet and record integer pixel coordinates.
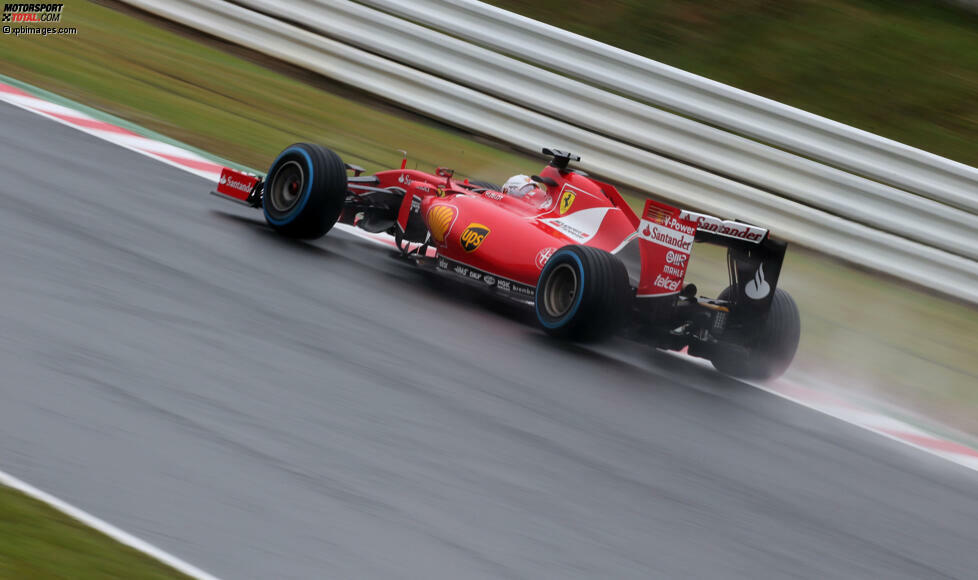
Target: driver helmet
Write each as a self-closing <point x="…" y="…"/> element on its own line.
<point x="519" y="186"/>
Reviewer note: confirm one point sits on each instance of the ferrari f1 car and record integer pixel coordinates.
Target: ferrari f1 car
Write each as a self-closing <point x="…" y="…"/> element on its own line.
<point x="583" y="260"/>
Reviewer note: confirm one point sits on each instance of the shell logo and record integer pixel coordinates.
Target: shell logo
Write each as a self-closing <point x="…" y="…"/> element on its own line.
<point x="440" y="220"/>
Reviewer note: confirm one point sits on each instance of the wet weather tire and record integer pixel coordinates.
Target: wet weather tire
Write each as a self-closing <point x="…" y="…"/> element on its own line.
<point x="304" y="191"/>
<point x="484" y="184"/>
<point x="582" y="294"/>
<point x="774" y="344"/>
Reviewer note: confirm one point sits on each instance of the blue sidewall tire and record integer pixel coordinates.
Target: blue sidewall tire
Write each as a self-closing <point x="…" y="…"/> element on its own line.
<point x="554" y="261"/>
<point x="296" y="211"/>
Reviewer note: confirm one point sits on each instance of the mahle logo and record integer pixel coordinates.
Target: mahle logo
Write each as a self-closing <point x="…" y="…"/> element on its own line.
<point x="473" y="236"/>
<point x="566" y="201"/>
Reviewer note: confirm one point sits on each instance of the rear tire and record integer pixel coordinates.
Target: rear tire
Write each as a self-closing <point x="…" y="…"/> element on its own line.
<point x="484" y="184"/>
<point x="774" y="346"/>
<point x="304" y="191"/>
<point x="583" y="294"/>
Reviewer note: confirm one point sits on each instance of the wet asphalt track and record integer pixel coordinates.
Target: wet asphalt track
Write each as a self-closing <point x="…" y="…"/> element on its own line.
<point x="271" y="409"/>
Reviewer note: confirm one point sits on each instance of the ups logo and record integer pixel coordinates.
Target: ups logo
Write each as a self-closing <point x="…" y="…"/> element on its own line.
<point x="473" y="236"/>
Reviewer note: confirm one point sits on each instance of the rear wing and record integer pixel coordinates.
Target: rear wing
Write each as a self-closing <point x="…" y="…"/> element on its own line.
<point x="753" y="259"/>
<point x="666" y="237"/>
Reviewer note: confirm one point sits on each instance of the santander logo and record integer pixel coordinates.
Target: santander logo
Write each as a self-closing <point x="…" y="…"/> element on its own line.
<point x="758" y="287"/>
<point x="239" y="185"/>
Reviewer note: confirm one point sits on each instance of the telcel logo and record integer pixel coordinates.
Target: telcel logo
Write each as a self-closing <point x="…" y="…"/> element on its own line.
<point x="663" y="282"/>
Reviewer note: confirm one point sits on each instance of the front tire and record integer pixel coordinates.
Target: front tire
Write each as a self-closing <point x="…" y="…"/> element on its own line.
<point x="582" y="294"/>
<point x="773" y="347"/>
<point x="304" y="191"/>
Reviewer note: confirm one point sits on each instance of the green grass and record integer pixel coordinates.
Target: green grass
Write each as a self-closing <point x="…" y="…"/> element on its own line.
<point x="907" y="70"/>
<point x="223" y="103"/>
<point x="862" y="331"/>
<point x="38" y="542"/>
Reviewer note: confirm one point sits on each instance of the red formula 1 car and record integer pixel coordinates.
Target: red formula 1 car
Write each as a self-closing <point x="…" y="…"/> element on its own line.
<point x="577" y="253"/>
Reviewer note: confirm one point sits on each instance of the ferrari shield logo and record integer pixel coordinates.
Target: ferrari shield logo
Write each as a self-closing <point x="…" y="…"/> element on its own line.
<point x="473" y="236"/>
<point x="566" y="201"/>
<point x="440" y="220"/>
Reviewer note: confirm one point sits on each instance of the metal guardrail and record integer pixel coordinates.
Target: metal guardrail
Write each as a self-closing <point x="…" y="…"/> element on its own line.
<point x="483" y="113"/>
<point x="642" y="126"/>
<point x="649" y="81"/>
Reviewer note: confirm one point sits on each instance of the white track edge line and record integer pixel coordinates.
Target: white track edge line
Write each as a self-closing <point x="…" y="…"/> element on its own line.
<point x="106" y="528"/>
<point x="105" y="137"/>
<point x="64" y="507"/>
<point x="958" y="459"/>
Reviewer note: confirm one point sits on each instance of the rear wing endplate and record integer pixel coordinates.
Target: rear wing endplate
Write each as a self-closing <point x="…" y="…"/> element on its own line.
<point x="666" y="237"/>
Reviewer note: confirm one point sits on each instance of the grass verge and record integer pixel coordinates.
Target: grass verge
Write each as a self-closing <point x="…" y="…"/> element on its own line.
<point x="861" y="331"/>
<point x="221" y="102"/>
<point x="38" y="542"/>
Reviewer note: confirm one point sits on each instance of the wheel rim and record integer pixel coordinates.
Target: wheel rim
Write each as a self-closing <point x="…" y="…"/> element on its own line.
<point x="561" y="289"/>
<point x="286" y="187"/>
